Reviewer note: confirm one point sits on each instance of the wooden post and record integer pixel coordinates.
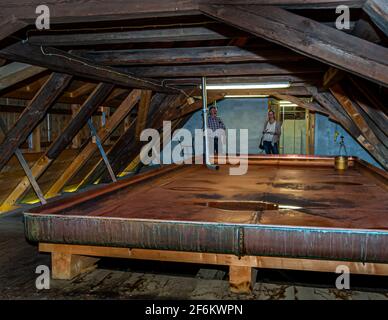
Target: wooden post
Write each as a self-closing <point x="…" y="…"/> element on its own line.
<point x="66" y="266"/>
<point x="241" y="279"/>
<point x="76" y="143"/>
<point x="142" y="113"/>
<point x="36" y="146"/>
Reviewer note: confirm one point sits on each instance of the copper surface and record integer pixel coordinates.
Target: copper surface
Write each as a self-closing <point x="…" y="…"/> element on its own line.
<point x="280" y="209"/>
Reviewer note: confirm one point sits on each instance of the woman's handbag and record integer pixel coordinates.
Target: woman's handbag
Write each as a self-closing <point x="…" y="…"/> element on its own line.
<point x="261" y="146"/>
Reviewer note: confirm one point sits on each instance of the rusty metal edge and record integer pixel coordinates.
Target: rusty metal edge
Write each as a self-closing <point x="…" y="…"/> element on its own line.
<point x="257" y="240"/>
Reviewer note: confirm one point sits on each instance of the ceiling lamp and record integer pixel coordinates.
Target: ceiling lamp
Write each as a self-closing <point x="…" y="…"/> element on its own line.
<point x="238" y="86"/>
<point x="246" y="96"/>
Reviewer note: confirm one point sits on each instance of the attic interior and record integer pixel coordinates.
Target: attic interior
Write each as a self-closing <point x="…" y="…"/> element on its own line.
<point x="75" y="98"/>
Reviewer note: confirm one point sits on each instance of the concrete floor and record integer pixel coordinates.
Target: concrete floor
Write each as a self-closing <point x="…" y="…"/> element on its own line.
<point x="127" y="279"/>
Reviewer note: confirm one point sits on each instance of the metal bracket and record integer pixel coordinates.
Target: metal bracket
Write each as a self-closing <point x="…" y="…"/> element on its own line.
<point x="26" y="168"/>
<point x="101" y="149"/>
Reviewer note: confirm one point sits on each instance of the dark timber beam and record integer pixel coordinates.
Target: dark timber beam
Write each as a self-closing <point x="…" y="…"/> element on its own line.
<point x="219" y="69"/>
<point x="377" y="149"/>
<point x="40" y="166"/>
<point x="62" y="61"/>
<point x="32" y="115"/>
<point x="15" y="72"/>
<point x="133" y="36"/>
<point x="363" y="30"/>
<point x="74" y="10"/>
<point x="9" y="24"/>
<point x="189" y="55"/>
<point x="374" y="112"/>
<point x="96" y="10"/>
<point x="297" y="79"/>
<point x="96" y="98"/>
<point x="377" y="10"/>
<point x="308" y="37"/>
<point x="338" y="114"/>
<point x="87" y="152"/>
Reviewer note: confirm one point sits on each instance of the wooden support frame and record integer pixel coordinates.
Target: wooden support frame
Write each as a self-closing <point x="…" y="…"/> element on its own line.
<point x="32" y="115"/>
<point x="377" y="10"/>
<point x="15" y="72"/>
<point x="189" y="55"/>
<point x="26" y="169"/>
<point x="321" y="42"/>
<point x="377" y="149"/>
<point x="88" y="108"/>
<point x="222" y="69"/>
<point x="101" y="149"/>
<point x="241" y="275"/>
<point x="118" y="116"/>
<point x="62" y="61"/>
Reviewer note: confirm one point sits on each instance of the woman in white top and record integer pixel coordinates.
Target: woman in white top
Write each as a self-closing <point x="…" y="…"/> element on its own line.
<point x="271" y="134"/>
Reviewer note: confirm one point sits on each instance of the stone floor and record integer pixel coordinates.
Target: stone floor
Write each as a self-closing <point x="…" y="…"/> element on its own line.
<point x="127" y="279"/>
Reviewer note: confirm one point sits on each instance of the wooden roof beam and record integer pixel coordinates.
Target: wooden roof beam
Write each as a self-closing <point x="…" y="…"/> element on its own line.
<point x="86" y="153"/>
<point x="61" y="61"/>
<point x="219" y="69"/>
<point x="308" y="37"/>
<point x="32" y="115"/>
<point x="377" y="149"/>
<point x="125" y="37"/>
<point x="189" y="55"/>
<point x="76" y="124"/>
<point x="377" y="10"/>
<point x="16" y="72"/>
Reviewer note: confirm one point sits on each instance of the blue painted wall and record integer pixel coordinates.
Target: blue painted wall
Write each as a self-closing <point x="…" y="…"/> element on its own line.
<point x="248" y="113"/>
<point x="326" y="145"/>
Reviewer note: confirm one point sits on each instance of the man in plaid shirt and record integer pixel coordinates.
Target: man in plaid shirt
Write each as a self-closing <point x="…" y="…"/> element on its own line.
<point x="214" y="123"/>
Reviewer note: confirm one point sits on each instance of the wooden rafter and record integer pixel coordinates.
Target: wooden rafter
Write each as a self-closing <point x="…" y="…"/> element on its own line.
<point x="374" y="146"/>
<point x="308" y="37"/>
<point x="81" y="90"/>
<point x="121" y="112"/>
<point x="220" y="69"/>
<point x="61" y="61"/>
<point x="373" y="107"/>
<point x="96" y="98"/>
<point x="80" y="119"/>
<point x="127" y="147"/>
<point x="377" y="121"/>
<point x="218" y="54"/>
<point x="378" y="12"/>
<point x="32" y="115"/>
<point x="15" y="72"/>
<point x="9" y="24"/>
<point x="134" y="36"/>
<point x="363" y="30"/>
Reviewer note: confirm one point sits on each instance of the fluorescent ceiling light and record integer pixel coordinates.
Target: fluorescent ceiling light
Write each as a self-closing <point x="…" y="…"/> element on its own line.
<point x="246" y="96"/>
<point x="237" y="86"/>
<point x="284" y="102"/>
<point x="288" y="105"/>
